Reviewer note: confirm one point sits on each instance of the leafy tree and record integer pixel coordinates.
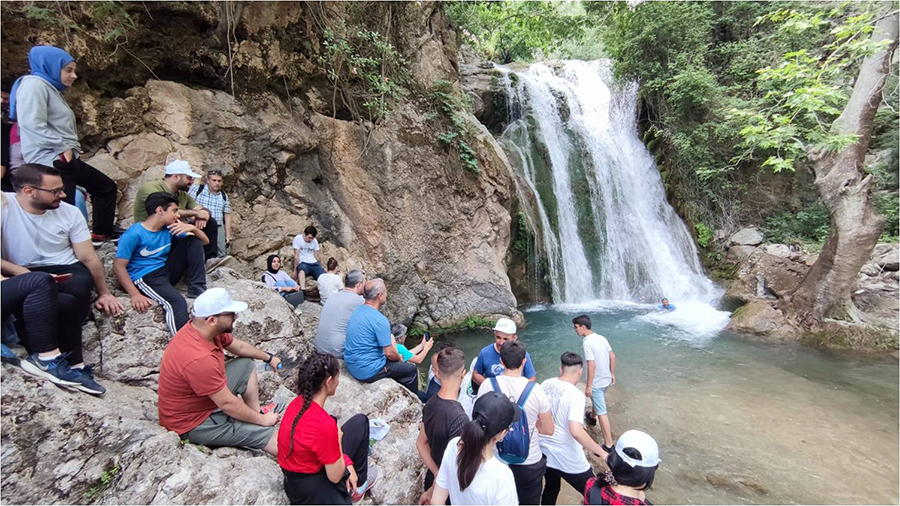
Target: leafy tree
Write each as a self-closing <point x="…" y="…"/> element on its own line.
<point x="513" y="30"/>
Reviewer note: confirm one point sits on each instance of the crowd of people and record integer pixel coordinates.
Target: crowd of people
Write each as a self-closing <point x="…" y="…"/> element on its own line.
<point x="514" y="445"/>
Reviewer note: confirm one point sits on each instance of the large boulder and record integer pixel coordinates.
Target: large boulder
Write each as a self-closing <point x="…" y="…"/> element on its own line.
<point x="71" y="448"/>
<point x="887" y="256"/>
<point x="750" y="236"/>
<point x="763" y="276"/>
<point x="761" y="318"/>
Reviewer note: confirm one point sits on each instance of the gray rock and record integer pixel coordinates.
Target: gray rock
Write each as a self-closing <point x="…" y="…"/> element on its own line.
<point x="746" y="237"/>
<point x="887" y="256"/>
<point x="760" y="318"/>
<point x="778" y="250"/>
<point x="737" y="254"/>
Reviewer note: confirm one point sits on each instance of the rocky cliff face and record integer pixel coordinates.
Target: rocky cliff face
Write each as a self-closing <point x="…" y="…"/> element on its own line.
<point x="389" y="199"/>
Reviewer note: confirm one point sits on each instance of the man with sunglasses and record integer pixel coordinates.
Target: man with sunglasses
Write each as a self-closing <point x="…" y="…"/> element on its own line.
<point x="42" y="233"/>
<point x="212" y="197"/>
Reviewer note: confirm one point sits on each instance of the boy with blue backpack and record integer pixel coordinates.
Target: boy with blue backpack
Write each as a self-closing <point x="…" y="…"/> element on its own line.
<point x="520" y="448"/>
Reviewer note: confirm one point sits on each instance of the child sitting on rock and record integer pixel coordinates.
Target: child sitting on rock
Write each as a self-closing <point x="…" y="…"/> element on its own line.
<point x="415" y="355"/>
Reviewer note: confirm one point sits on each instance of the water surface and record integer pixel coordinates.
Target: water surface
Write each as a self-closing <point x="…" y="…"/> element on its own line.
<point x="737" y="421"/>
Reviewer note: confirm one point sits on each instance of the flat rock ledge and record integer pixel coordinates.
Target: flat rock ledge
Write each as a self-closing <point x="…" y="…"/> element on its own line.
<point x="66" y="447"/>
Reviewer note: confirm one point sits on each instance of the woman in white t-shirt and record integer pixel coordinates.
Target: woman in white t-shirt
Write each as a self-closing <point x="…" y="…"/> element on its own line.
<point x="329" y="283"/>
<point x="469" y="472"/>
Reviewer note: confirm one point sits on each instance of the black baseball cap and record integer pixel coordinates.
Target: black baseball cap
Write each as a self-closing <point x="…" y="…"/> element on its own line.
<point x="495" y="413"/>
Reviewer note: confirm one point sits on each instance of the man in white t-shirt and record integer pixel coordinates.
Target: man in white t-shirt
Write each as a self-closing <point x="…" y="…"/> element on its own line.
<point x="329" y="283"/>
<point x="529" y="474"/>
<point x="563" y="449"/>
<point x="307" y="259"/>
<point x="42" y="233"/>
<point x="601" y="366"/>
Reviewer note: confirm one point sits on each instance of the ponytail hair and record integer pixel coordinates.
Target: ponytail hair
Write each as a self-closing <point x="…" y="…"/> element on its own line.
<point x="313" y="373"/>
<point x="473" y="439"/>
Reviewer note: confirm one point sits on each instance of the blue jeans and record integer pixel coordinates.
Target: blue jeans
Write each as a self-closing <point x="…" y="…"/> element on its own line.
<point x="314" y="270"/>
<point x="598" y="397"/>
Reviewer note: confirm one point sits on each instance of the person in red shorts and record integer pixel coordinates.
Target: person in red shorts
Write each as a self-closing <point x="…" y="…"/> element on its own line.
<point x="321" y="463"/>
<point x="632" y="467"/>
<point x="199" y="389"/>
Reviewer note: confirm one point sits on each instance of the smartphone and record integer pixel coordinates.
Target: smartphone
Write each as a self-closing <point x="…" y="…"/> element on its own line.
<point x="59" y="278"/>
<point x="428" y="336"/>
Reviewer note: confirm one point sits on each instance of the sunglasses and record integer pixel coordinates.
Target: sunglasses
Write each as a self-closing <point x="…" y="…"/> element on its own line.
<point x="214" y="173"/>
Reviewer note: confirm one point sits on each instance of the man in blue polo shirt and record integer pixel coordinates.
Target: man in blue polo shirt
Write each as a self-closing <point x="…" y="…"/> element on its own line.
<point x="489" y="365"/>
<point x="149" y="262"/>
<point x="370" y="354"/>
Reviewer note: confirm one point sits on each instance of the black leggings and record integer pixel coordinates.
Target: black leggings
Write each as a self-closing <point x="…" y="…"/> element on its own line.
<point x="33" y="299"/>
<point x="316" y="488"/>
<point x="553" y="479"/>
<point x="73" y="305"/>
<point x="100" y="187"/>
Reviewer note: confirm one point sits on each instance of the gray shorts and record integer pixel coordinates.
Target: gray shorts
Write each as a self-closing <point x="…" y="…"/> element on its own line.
<point x="220" y="429"/>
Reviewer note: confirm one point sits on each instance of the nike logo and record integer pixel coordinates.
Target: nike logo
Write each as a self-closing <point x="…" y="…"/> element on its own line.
<point x="146" y="253"/>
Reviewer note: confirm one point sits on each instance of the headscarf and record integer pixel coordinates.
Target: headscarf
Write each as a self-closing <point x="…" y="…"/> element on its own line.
<point x="269" y="264"/>
<point x="46" y="62"/>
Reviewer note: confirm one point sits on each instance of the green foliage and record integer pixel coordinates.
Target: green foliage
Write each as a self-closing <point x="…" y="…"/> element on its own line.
<point x="47" y="15"/>
<point x="704" y="234"/>
<point x="105" y="480"/>
<point x="114" y="16"/>
<point x="507" y="30"/>
<point x="474" y="322"/>
<point x="447" y="102"/>
<point x="368" y="74"/>
<point x="520" y="245"/>
<point x="809" y="226"/>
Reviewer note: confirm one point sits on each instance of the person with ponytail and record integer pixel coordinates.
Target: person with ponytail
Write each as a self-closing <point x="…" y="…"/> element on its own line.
<point x="49" y="137"/>
<point x="321" y="463"/>
<point x="469" y="472"/>
<point x="632" y="467"/>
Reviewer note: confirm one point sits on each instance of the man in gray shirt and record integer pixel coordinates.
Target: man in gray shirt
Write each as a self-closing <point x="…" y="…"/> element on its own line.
<point x="331" y="336"/>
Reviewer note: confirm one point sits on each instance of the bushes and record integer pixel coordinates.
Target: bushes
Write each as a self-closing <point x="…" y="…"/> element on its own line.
<point x="808" y="227"/>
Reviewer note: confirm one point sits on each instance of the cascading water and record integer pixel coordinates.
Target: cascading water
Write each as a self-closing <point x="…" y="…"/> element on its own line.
<point x="606" y="228"/>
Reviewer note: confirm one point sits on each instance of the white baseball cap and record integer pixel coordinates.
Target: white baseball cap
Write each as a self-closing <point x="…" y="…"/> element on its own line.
<point x="505" y="325"/>
<point x="642" y="442"/>
<point x="216" y="301"/>
<point x="176" y="167"/>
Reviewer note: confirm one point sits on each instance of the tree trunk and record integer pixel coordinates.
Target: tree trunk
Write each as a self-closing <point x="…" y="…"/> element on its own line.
<point x="844" y="188"/>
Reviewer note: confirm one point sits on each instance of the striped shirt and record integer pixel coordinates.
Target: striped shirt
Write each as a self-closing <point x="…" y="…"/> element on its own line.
<point x="215" y="202"/>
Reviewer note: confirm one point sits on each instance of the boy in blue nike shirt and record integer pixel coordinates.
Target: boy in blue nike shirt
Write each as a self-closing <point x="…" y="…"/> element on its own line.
<point x="154" y="254"/>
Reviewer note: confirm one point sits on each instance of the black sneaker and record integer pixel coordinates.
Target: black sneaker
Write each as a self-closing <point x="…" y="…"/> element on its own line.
<point x="607" y="449"/>
<point x="98" y="239"/>
<point x="56" y="370"/>
<point x="588" y="419"/>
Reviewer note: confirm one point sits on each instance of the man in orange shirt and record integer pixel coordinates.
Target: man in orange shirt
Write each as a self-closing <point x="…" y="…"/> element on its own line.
<point x="198" y="390"/>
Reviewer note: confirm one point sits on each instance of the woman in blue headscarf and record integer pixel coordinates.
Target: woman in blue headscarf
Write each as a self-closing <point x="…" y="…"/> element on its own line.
<point x="49" y="136"/>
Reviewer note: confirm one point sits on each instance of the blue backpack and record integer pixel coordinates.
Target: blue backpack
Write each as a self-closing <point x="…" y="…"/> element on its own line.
<point x="514" y="447"/>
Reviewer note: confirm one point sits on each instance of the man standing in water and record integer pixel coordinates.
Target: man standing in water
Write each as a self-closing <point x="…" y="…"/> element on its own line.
<point x="601" y="365"/>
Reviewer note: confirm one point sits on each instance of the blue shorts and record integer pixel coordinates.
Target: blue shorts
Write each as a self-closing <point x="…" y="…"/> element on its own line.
<point x="598" y="397"/>
<point x="315" y="270"/>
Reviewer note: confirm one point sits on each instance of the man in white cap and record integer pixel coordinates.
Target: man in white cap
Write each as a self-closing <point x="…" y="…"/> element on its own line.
<point x="198" y="390"/>
<point x="489" y="364"/>
<point x="177" y="181"/>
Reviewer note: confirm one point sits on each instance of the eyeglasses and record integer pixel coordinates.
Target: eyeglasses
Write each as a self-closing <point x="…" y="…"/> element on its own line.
<point x="214" y="173"/>
<point x="56" y="192"/>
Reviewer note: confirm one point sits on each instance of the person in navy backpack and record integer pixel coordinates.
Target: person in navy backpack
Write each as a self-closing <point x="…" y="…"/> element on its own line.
<point x="520" y="448"/>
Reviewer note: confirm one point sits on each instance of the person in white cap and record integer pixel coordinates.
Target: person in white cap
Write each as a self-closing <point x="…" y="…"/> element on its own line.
<point x="198" y="390"/>
<point x="632" y="467"/>
<point x="177" y="181"/>
<point x="489" y="364"/>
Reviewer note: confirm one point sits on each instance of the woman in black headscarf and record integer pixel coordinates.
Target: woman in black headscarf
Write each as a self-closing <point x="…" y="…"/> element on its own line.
<point x="281" y="281"/>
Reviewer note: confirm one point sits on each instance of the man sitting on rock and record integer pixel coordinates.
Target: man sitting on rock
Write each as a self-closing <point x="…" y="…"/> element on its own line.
<point x="199" y="389"/>
<point x="331" y="335"/>
<point x="42" y="233"/>
<point x="177" y="181"/>
<point x="307" y="259"/>
<point x="370" y="354"/>
<point x="148" y="265"/>
<point x="489" y="364"/>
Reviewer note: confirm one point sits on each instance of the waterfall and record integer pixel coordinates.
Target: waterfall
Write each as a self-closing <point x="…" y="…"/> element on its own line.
<point x="602" y="217"/>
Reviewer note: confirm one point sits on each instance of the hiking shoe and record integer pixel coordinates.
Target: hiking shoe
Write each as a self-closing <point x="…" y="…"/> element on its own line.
<point x="56" y="370"/>
<point x="590" y="420"/>
<point x="99" y="239"/>
<point x="365" y="487"/>
<point x="195" y="292"/>
<point x="86" y="383"/>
